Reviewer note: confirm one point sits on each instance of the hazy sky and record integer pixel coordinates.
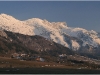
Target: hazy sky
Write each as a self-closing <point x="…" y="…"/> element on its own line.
<point x="84" y="14"/>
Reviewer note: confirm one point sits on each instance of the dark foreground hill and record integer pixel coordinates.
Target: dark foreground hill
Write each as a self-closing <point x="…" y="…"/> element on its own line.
<point x="14" y="42"/>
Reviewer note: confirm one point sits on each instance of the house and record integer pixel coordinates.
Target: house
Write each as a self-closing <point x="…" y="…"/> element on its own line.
<point x="23" y="55"/>
<point x="15" y="55"/>
<point x="62" y="55"/>
<point x="40" y="59"/>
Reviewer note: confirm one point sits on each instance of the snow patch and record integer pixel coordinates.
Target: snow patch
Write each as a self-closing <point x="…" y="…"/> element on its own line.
<point x="75" y="45"/>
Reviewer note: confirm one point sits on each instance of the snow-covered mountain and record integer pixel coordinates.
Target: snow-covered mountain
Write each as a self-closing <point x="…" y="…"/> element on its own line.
<point x="59" y="32"/>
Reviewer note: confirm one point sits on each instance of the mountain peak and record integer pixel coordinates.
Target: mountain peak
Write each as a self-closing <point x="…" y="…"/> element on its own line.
<point x="6" y="17"/>
<point x="3" y="14"/>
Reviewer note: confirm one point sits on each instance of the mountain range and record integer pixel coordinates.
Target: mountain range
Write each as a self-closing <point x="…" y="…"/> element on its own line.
<point x="77" y="39"/>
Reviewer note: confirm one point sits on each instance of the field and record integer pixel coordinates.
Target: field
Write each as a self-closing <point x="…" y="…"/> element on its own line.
<point x="15" y="66"/>
<point x="6" y="62"/>
<point x="47" y="71"/>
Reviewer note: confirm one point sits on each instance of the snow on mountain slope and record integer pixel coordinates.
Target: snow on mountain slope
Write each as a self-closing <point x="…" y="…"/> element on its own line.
<point x="59" y="32"/>
<point x="75" y="45"/>
<point x="11" y="24"/>
<point x="44" y="28"/>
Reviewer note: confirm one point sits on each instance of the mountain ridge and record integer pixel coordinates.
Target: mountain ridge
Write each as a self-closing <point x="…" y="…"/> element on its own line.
<point x="59" y="32"/>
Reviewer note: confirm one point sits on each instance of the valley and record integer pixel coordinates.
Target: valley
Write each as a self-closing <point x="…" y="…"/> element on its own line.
<point x="10" y="65"/>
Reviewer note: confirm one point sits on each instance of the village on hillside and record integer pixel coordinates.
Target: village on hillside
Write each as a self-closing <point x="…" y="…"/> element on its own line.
<point x="23" y="56"/>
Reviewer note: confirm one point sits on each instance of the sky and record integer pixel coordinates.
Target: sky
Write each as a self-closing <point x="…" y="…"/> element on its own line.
<point x="83" y="14"/>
